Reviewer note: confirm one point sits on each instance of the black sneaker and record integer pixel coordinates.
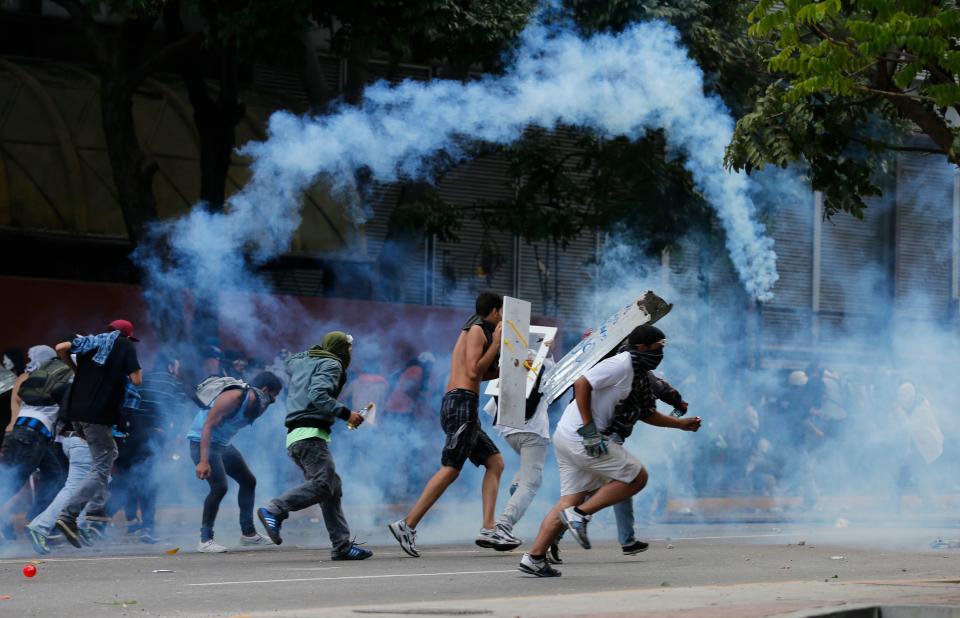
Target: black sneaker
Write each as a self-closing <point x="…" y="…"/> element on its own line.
<point x="271" y="524"/>
<point x="539" y="568"/>
<point x="70" y="532"/>
<point x="354" y="553"/>
<point x="634" y="548"/>
<point x="553" y="554"/>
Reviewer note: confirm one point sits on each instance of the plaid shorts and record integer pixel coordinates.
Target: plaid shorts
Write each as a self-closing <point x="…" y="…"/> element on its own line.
<point x="461" y="424"/>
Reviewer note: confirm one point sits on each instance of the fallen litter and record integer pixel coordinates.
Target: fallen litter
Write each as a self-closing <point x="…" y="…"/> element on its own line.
<point x="4" y="597"/>
<point x="842" y="522"/>
<point x="164" y="571"/>
<point x="670" y="546"/>
<point x="945" y="544"/>
<point x="838" y="557"/>
<point x="173" y="551"/>
<point x="802" y="543"/>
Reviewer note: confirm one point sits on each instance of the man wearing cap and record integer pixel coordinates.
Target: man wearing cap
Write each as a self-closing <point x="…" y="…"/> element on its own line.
<point x="317" y="376"/>
<point x="595" y="474"/>
<point x="104" y="364"/>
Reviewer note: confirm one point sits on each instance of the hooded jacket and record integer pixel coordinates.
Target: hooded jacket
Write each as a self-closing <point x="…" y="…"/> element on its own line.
<point x="316" y="378"/>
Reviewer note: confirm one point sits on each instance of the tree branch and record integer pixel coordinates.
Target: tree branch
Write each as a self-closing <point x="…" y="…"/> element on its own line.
<point x="88" y="27"/>
<point x="151" y="64"/>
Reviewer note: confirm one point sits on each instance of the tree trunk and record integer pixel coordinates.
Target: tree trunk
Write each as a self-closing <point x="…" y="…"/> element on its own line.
<point x="132" y="168"/>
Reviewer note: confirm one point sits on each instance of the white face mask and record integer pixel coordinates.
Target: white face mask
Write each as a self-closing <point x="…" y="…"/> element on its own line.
<point x="907" y="395"/>
<point x="7" y="363"/>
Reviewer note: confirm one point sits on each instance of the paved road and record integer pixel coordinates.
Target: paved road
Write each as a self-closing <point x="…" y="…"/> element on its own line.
<point x="747" y="570"/>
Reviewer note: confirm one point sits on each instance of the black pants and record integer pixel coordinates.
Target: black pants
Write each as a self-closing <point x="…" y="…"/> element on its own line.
<point x="134" y="484"/>
<point x="226" y="461"/>
<point x="28" y="450"/>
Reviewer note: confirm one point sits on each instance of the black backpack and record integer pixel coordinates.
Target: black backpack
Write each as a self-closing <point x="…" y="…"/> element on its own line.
<point x="45" y="385"/>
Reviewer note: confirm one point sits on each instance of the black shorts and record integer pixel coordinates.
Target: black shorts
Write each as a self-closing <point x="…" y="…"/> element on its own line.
<point x="461" y="423"/>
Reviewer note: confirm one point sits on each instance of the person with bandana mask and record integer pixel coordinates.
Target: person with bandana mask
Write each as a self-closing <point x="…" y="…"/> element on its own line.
<point x="595" y="473"/>
<point x="317" y="377"/>
<point x="216" y="459"/>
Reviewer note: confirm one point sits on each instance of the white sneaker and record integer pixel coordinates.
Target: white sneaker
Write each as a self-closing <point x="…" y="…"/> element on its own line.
<point x="406" y="536"/>
<point x="211" y="547"/>
<point x="495" y="538"/>
<point x="256" y="539"/>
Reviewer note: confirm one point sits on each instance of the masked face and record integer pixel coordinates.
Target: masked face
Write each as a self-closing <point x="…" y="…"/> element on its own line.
<point x="907" y="396"/>
<point x="256" y="410"/>
<point x="7" y="363"/>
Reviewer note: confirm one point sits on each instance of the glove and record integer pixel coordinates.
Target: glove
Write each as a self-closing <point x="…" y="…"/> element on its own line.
<point x="593" y="443"/>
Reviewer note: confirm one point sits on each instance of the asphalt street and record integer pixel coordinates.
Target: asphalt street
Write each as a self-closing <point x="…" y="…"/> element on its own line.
<point x="701" y="568"/>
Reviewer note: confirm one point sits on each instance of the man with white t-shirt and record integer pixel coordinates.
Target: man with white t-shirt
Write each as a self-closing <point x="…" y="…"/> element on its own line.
<point x="617" y="389"/>
<point x="36" y="403"/>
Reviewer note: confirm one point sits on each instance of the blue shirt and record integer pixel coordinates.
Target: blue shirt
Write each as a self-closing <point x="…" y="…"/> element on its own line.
<point x="228" y="427"/>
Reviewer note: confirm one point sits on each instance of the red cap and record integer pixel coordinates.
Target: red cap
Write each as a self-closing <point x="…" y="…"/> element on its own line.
<point x="125" y="328"/>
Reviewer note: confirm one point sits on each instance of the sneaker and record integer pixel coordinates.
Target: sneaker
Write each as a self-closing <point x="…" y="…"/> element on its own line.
<point x="271" y="523"/>
<point x="506" y="533"/>
<point x="406" y="536"/>
<point x="134" y="528"/>
<point x="70" y="532"/>
<point x="497" y="538"/>
<point x="39" y="541"/>
<point x="577" y="524"/>
<point x="255" y="539"/>
<point x="146" y="536"/>
<point x="211" y="547"/>
<point x="354" y="553"/>
<point x="553" y="554"/>
<point x="540" y="568"/>
<point x="89" y="535"/>
<point x="634" y="548"/>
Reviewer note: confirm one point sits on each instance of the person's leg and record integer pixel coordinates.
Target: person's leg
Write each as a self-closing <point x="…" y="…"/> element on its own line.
<point x="218" y="489"/>
<point x="551" y="527"/>
<point x="52" y="477"/>
<point x="236" y="468"/>
<point x="490" y="487"/>
<point x="103" y="452"/>
<point x="623" y="512"/>
<point x="533" y="452"/>
<point x="78" y="454"/>
<point x="441" y="480"/>
<point x="20" y="459"/>
<point x="614" y="492"/>
<point x="148" y="485"/>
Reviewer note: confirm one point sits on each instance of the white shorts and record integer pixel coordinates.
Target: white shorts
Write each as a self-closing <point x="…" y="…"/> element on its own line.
<point x="579" y="472"/>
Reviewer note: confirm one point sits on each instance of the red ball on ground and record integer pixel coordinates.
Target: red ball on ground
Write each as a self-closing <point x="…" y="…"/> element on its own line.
<point x="29" y="570"/>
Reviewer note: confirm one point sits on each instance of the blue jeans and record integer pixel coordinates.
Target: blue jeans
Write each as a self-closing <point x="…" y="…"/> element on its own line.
<point x="81" y="463"/>
<point x="623" y="512"/>
<point x="91" y="494"/>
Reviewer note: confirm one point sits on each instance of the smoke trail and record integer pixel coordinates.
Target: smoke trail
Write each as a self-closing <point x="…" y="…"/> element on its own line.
<point x="616" y="84"/>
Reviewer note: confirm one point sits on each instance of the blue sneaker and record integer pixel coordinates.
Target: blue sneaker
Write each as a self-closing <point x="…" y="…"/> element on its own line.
<point x="38" y="541"/>
<point x="577" y="524"/>
<point x="354" y="553"/>
<point x="271" y="523"/>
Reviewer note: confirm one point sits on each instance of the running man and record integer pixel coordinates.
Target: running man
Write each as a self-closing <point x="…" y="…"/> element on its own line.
<point x="617" y="389"/>
<point x="317" y="377"/>
<point x="472" y="362"/>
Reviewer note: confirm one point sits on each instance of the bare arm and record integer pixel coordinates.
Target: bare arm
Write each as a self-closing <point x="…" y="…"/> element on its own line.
<point x="15" y="402"/>
<point x="477" y="360"/>
<point x="225" y="405"/>
<point x="63" y="351"/>
<point x="137" y="377"/>
<point x="583" y="393"/>
<point x="661" y="420"/>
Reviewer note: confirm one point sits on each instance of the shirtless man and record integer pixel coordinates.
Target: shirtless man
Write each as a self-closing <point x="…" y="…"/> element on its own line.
<point x="473" y="361"/>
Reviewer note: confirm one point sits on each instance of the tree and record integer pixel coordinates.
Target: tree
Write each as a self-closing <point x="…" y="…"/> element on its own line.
<point x="846" y="82"/>
<point x="123" y="62"/>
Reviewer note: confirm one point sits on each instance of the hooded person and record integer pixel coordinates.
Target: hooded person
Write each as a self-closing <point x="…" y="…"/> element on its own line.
<point x="35" y="406"/>
<point x="595" y="474"/>
<point x="317" y="376"/>
<point x="216" y="458"/>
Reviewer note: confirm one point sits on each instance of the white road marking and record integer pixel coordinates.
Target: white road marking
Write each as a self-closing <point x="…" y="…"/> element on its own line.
<point x="40" y="559"/>
<point x="309" y="568"/>
<point x="320" y="579"/>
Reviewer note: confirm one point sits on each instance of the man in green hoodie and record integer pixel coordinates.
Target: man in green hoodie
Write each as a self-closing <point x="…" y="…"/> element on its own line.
<point x="317" y="376"/>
